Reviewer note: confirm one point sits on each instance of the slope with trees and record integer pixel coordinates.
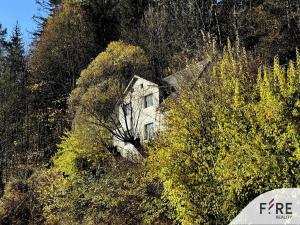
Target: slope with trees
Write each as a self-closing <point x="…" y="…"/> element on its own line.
<point x="57" y="162"/>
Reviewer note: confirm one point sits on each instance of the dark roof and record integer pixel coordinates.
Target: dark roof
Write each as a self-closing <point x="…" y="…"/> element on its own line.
<point x="170" y="83"/>
<point x="192" y="71"/>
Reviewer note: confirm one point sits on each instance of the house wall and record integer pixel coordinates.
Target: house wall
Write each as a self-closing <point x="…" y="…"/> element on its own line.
<point x="140" y="115"/>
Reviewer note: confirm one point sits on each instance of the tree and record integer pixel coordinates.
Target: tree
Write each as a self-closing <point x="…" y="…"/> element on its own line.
<point x="172" y="29"/>
<point x="213" y="162"/>
<point x="29" y="211"/>
<point x="261" y="127"/>
<point x="268" y="27"/>
<point x="16" y="56"/>
<point x="130" y="13"/>
<point x="66" y="46"/>
<point x="12" y="111"/>
<point x="2" y="71"/>
<point x="100" y="88"/>
<point x="86" y="184"/>
<point x="2" y="39"/>
<point x="46" y="9"/>
<point x="103" y="15"/>
<point x="184" y="155"/>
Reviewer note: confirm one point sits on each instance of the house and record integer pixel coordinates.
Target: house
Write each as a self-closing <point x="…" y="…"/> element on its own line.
<point x="140" y="113"/>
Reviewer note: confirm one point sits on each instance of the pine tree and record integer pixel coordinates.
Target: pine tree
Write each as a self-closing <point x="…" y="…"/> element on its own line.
<point x="16" y="56"/>
<point x="2" y="40"/>
<point x="12" y="72"/>
<point x="2" y="71"/>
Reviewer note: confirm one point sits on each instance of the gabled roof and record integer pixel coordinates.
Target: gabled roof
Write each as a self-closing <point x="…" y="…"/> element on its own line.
<point x="173" y="80"/>
<point x="133" y="80"/>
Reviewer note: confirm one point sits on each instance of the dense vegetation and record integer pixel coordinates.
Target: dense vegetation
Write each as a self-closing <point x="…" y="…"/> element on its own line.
<point x="57" y="161"/>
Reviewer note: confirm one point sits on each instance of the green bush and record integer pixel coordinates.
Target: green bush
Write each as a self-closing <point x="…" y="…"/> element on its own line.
<point x="19" y="205"/>
<point x="241" y="138"/>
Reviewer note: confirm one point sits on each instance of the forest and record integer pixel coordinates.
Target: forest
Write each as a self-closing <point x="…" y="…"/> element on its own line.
<point x="231" y="134"/>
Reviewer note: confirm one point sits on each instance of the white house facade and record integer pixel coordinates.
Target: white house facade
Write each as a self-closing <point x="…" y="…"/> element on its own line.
<point x="140" y="112"/>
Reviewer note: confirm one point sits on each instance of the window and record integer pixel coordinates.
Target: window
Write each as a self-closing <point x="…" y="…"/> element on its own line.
<point x="149" y="130"/>
<point x="142" y="86"/>
<point x="127" y="109"/>
<point x="148" y="100"/>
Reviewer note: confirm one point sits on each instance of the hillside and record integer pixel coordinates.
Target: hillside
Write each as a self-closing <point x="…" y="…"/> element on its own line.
<point x="231" y="130"/>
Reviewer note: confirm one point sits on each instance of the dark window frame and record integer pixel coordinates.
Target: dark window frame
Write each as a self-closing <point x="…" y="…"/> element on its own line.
<point x="148" y="131"/>
<point x="146" y="103"/>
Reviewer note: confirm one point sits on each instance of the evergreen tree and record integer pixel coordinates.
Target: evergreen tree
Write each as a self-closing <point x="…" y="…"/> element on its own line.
<point x="16" y="56"/>
<point x="12" y="74"/>
<point x="2" y="105"/>
<point x="2" y="40"/>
